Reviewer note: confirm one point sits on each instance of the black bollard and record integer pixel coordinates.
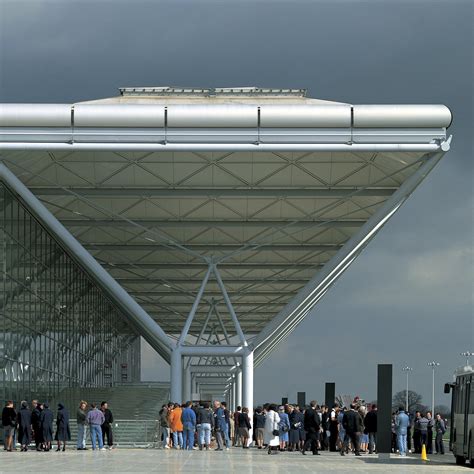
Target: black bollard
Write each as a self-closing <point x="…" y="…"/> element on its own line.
<point x="301" y="397"/>
<point x="330" y="394"/>
<point x="384" y="409"/>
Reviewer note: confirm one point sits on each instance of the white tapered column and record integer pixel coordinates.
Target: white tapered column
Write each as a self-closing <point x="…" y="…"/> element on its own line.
<point x="232" y="391"/>
<point x="238" y="387"/>
<point x="176" y="373"/>
<point x="187" y="384"/>
<point x="247" y="385"/>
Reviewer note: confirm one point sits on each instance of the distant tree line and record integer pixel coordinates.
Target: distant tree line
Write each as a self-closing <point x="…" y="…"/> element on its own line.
<point x="415" y="403"/>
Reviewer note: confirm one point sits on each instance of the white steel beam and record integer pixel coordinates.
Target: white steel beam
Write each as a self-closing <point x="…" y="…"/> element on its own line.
<point x="177" y="192"/>
<point x="213" y="247"/>
<point x="212" y="351"/>
<point x="208" y="369"/>
<point x="174" y="223"/>
<point x="254" y="147"/>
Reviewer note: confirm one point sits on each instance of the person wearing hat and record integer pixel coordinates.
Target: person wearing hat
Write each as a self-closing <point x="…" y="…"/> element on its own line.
<point x="46" y="426"/>
<point x="63" y="432"/>
<point x="24" y="426"/>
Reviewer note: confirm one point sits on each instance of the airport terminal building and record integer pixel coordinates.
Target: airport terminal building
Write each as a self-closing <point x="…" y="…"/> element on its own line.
<point x="208" y="222"/>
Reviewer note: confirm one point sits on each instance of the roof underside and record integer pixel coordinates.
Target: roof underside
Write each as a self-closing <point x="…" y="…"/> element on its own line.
<point x="283" y="215"/>
<point x="275" y="218"/>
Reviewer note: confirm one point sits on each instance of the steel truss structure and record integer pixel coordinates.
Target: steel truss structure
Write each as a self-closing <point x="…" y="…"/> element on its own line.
<point x="215" y="220"/>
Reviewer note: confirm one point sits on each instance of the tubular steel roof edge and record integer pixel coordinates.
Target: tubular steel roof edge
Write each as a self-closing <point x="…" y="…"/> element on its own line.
<point x="226" y="115"/>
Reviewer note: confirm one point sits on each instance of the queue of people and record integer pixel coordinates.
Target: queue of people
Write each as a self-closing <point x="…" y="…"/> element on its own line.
<point x="202" y="426"/>
<point x="275" y="428"/>
<point x="35" y="424"/>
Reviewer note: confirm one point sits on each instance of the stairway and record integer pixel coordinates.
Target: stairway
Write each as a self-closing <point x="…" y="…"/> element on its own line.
<point x="138" y="401"/>
<point x="135" y="408"/>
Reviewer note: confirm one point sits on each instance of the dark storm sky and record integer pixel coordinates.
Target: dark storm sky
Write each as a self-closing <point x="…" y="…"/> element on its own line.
<point x="409" y="298"/>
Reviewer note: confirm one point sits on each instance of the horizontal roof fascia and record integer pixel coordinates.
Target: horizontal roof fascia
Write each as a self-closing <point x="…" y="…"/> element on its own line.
<point x="225" y="115"/>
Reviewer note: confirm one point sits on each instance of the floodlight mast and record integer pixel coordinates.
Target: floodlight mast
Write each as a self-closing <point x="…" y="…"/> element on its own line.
<point x="407" y="370"/>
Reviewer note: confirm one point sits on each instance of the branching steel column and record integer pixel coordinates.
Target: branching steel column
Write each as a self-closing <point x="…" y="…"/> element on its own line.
<point x="187" y="325"/>
<point x="229" y="306"/>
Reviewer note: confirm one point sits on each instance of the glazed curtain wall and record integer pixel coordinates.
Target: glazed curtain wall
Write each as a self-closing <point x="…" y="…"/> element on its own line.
<point x="57" y="328"/>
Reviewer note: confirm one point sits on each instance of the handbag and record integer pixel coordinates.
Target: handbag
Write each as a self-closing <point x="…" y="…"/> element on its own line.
<point x="275" y="433"/>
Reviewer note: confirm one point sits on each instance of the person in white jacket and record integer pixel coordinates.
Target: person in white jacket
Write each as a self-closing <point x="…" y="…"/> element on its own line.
<point x="271" y="437"/>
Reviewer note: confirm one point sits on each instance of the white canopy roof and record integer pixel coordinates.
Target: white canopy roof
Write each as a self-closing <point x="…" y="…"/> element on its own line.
<point x="275" y="215"/>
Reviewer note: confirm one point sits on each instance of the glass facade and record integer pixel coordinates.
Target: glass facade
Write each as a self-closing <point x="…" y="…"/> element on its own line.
<point x="58" y="330"/>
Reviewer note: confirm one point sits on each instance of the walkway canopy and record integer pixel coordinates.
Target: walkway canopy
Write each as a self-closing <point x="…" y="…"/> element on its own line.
<point x="265" y="194"/>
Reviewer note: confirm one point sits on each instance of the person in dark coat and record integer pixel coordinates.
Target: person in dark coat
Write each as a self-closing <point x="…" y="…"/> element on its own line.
<point x="63" y="432"/>
<point x="24" y="426"/>
<point x="107" y="425"/>
<point x="312" y="424"/>
<point x="370" y="423"/>
<point x="244" y="427"/>
<point x="352" y="423"/>
<point x="9" y="418"/>
<point x="35" y="423"/>
<point x="46" y="420"/>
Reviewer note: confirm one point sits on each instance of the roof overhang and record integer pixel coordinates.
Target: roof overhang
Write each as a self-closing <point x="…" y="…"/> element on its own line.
<point x="281" y="192"/>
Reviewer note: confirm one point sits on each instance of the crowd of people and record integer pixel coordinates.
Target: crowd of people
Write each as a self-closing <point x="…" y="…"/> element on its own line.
<point x="421" y="428"/>
<point x="35" y="424"/>
<point x="202" y="426"/>
<point x="293" y="428"/>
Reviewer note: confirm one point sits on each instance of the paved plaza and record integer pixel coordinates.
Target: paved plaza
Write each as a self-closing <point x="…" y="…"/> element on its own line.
<point x="236" y="460"/>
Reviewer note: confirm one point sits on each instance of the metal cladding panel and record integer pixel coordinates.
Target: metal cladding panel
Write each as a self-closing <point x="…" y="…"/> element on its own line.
<point x="397" y="135"/>
<point x="119" y="115"/>
<point x="212" y="135"/>
<point x="35" y="115"/>
<point x="36" y="134"/>
<point x="404" y="116"/>
<point x="304" y="135"/>
<point x="118" y="135"/>
<point x="305" y="116"/>
<point x="230" y="116"/>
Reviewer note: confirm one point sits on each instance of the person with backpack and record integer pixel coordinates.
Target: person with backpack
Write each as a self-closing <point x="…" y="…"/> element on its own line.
<point x="440" y="429"/>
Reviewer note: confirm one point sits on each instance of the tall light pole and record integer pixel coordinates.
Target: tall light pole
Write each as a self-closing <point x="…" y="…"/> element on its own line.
<point x="407" y="370"/>
<point x="433" y="365"/>
<point x="467" y="354"/>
